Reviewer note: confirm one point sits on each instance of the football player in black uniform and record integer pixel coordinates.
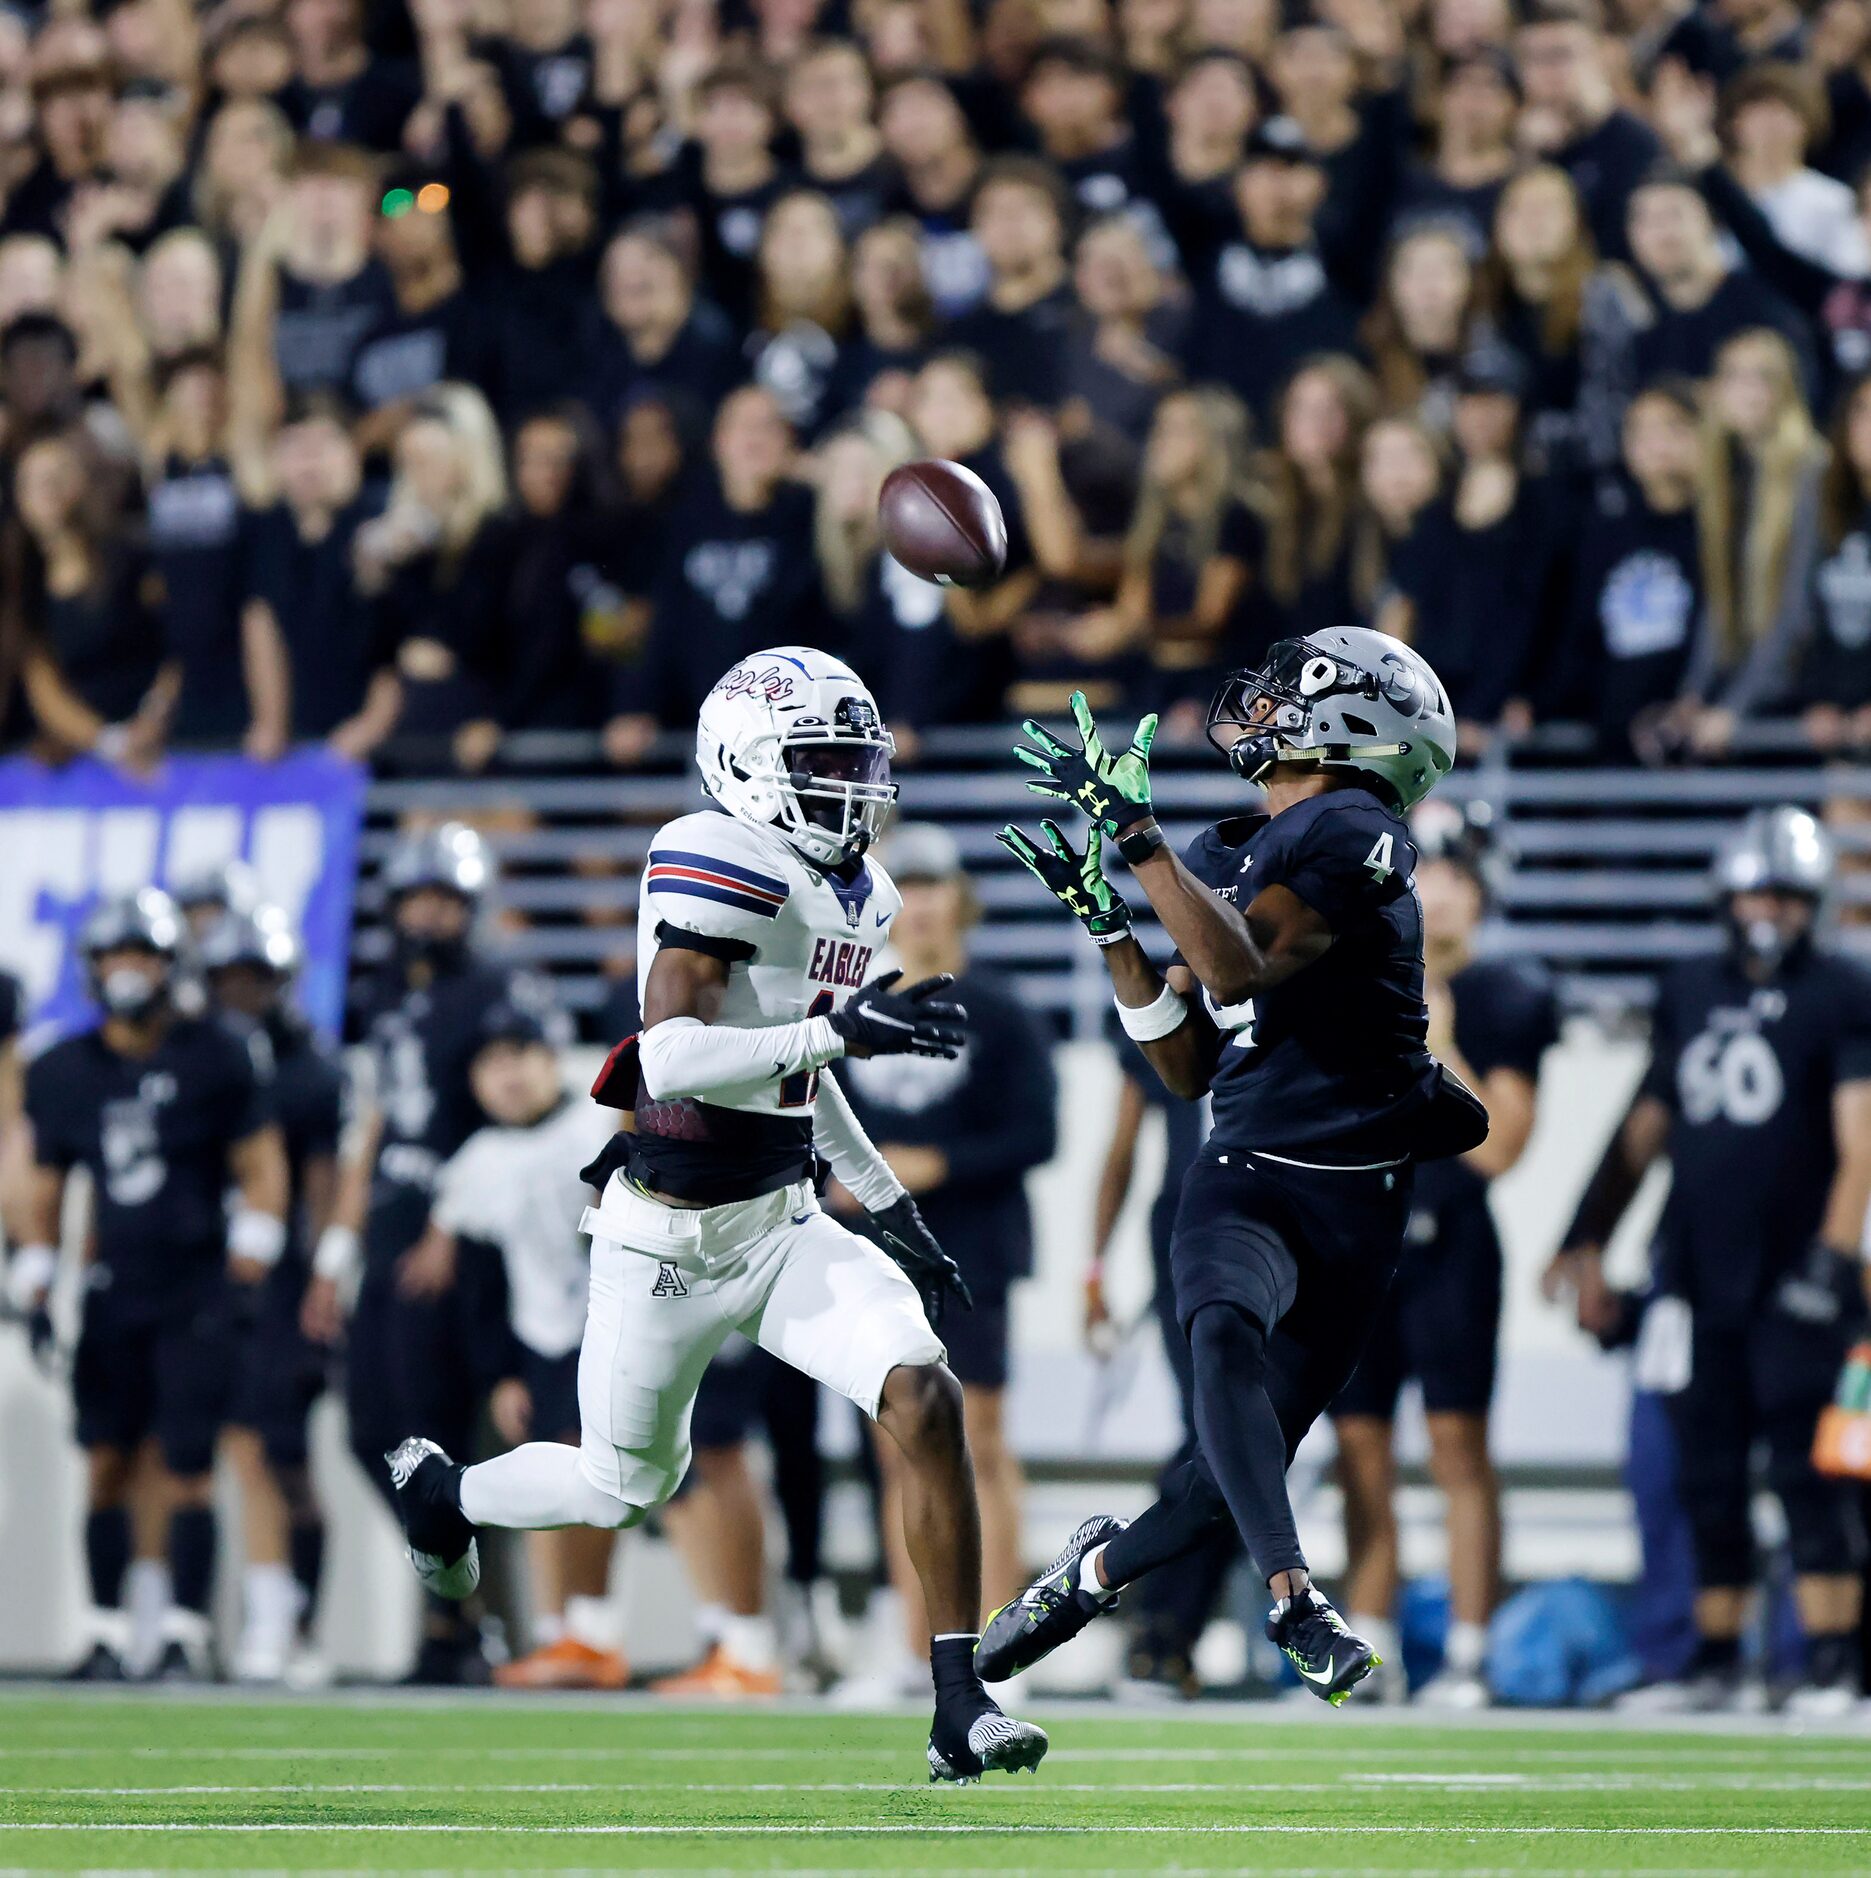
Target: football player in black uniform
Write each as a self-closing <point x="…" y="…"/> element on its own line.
<point x="1490" y="1020"/>
<point x="1759" y="1091"/>
<point x="248" y="961"/>
<point x="410" y="1358"/>
<point x="165" y="1113"/>
<point x="1295" y="1000"/>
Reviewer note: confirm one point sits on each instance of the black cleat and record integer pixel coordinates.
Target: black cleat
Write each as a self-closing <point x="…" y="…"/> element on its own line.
<point x="992" y="1743"/>
<point x="441" y="1540"/>
<point x="1331" y="1658"/>
<point x="1052" y="1610"/>
<point x="100" y="1664"/>
<point x="456" y="1661"/>
<point x="176" y="1662"/>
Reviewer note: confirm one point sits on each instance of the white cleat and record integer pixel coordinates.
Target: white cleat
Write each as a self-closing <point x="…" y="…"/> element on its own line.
<point x="1453" y="1694"/>
<point x="999" y="1744"/>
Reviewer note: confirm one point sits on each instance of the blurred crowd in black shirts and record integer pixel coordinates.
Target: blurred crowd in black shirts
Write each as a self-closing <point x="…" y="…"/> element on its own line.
<point x="374" y="373"/>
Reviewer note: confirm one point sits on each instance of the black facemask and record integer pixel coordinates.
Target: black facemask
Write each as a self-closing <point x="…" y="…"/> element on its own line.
<point x="1761" y="944"/>
<point x="440" y="957"/>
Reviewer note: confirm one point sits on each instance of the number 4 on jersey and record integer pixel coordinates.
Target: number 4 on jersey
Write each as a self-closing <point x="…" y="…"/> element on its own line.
<point x="1378" y="860"/>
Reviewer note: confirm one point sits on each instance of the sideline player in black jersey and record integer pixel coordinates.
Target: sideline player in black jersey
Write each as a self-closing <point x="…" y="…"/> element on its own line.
<point x="1759" y="1091"/>
<point x="1301" y="932"/>
<point x="164" y="1112"/>
<point x="248" y="960"/>
<point x="414" y="1329"/>
<point x="1490" y="1020"/>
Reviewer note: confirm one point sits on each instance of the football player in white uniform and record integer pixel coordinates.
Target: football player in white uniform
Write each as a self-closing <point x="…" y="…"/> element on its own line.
<point x="758" y="920"/>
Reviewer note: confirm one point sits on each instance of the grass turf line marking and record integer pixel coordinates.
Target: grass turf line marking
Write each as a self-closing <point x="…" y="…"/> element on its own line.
<point x="995" y="1828"/>
<point x="1506" y="1784"/>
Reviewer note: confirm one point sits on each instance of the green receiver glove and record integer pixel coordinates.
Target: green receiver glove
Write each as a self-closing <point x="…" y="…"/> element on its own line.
<point x="1075" y="880"/>
<point x="1113" y="792"/>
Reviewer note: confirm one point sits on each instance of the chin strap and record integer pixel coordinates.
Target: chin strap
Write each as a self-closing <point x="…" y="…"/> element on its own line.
<point x="1253" y="757"/>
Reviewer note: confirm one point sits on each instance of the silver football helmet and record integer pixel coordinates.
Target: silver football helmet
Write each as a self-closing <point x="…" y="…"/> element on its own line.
<point x="1781" y="850"/>
<point x="1346" y="698"/>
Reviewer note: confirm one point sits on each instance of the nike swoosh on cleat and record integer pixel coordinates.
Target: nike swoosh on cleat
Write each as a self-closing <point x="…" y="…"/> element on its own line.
<point x="1331" y="1668"/>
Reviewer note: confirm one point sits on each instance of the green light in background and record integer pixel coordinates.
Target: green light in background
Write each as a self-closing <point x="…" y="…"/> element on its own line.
<point x="398" y="202"/>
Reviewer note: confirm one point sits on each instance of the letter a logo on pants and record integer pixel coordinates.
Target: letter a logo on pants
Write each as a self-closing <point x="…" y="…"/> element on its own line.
<point x="668" y="1281"/>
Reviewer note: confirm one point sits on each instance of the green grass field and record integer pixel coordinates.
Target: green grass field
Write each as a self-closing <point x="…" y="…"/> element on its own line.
<point x="115" y="1783"/>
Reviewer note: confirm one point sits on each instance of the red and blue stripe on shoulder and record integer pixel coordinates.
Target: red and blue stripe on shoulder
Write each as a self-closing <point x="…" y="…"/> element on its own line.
<point x="676" y="870"/>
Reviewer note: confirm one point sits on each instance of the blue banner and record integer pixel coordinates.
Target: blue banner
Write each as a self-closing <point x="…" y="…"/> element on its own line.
<point x="70" y="837"/>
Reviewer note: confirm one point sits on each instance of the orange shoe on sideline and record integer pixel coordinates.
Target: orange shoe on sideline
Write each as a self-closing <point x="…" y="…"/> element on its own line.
<point x="718" y="1674"/>
<point x="567" y="1664"/>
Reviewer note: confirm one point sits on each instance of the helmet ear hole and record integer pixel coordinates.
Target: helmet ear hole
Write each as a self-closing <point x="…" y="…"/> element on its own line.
<point x="1362" y="725"/>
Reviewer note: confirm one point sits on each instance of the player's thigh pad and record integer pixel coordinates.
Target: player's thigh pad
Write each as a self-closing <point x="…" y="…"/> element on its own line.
<point x="651" y="1327"/>
<point x="1233" y="1244"/>
<point x="840" y="1310"/>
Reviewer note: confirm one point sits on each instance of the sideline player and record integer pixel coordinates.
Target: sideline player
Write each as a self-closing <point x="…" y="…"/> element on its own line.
<point x="1759" y="1090"/>
<point x="1490" y="1020"/>
<point x="248" y="960"/>
<point x="758" y="921"/>
<point x="1301" y="932"/>
<point x="164" y="1113"/>
<point x="417" y="1326"/>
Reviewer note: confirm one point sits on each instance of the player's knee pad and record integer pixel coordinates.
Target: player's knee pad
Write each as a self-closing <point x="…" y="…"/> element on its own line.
<point x="1723" y="1534"/>
<point x="1824" y="1535"/>
<point x="1229" y="1346"/>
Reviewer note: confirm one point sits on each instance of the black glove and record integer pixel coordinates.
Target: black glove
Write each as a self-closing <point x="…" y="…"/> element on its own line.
<point x="1826" y="1289"/>
<point x="882" y="1021"/>
<point x="902" y="1233"/>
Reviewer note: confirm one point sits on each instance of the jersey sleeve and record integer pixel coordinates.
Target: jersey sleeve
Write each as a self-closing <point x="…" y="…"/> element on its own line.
<point x="52" y="1108"/>
<point x="1851" y="1058"/>
<point x="248" y="1094"/>
<point x="12" y="1008"/>
<point x="1342" y="862"/>
<point x="712" y="887"/>
<point x="324" y="1110"/>
<point x="1521" y="1025"/>
<point x="459" y="1206"/>
<point x="1660" y="1075"/>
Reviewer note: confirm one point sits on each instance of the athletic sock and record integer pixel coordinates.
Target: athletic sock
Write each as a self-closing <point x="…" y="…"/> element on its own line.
<point x="270" y="1601"/>
<point x="958" y="1689"/>
<point x="750" y="1641"/>
<point x="1241" y="1435"/>
<point x="191" y="1556"/>
<point x="305" y="1544"/>
<point x="1088" y="1583"/>
<point x="107" y="1555"/>
<point x="593" y="1622"/>
<point x="1831" y="1656"/>
<point x="146" y="1592"/>
<point x="1716" y="1656"/>
<point x="1466" y="1650"/>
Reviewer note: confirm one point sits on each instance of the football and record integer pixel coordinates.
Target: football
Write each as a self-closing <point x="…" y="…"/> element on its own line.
<point x="941" y="521"/>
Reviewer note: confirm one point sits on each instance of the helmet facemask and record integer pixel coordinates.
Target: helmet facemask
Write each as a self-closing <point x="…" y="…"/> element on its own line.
<point x="1273" y="710"/>
<point x="836" y="791"/>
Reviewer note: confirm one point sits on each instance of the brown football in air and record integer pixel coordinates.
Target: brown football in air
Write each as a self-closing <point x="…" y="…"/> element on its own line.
<point x="941" y="521"/>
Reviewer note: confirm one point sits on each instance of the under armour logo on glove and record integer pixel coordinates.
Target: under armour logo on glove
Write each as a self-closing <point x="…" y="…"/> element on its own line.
<point x="1113" y="791"/>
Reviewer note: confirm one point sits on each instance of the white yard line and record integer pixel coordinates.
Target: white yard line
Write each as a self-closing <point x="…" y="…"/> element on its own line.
<point x="1469" y="1783"/>
<point x="992" y="1828"/>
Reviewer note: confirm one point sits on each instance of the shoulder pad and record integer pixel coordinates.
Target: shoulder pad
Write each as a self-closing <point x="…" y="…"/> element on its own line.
<point x="711" y="860"/>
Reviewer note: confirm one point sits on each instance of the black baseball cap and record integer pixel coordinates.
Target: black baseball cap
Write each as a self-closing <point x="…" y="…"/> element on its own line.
<point x="1278" y="140"/>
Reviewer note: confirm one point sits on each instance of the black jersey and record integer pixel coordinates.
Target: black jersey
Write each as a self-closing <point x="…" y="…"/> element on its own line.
<point x="154" y="1134"/>
<point x="12" y="1007"/>
<point x="1331" y="1065"/>
<point x="1506" y="1017"/>
<point x="307" y="1088"/>
<point x="1748" y="1071"/>
<point x="421" y="1044"/>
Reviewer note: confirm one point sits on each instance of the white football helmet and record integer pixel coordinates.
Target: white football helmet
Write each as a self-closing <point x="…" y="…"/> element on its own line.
<point x="791" y="739"/>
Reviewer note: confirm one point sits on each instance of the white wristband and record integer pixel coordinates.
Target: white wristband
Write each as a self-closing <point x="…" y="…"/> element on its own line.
<point x="29" y="1275"/>
<point x="258" y="1236"/>
<point x="337" y="1254"/>
<point x="1145" y="1023"/>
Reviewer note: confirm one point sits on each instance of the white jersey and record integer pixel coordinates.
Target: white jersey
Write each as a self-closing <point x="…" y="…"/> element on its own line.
<point x="518" y="1188"/>
<point x="797" y="943"/>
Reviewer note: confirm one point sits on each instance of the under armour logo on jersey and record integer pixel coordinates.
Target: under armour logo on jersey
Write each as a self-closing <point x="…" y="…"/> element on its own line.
<point x="668" y="1281"/>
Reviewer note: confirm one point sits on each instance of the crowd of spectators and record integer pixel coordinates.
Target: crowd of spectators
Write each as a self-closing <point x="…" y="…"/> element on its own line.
<point x="501" y="365"/>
